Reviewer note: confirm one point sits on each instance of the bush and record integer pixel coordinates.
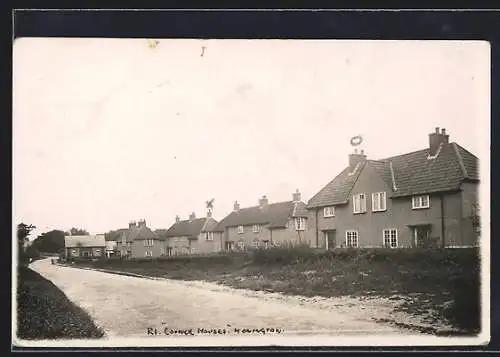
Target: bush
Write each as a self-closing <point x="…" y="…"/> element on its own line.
<point x="289" y="253"/>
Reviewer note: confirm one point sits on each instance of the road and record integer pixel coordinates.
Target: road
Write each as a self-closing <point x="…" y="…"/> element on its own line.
<point x="127" y="306"/>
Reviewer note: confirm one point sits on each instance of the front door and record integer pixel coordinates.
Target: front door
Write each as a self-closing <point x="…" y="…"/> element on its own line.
<point x="330" y="240"/>
<point x="421" y="236"/>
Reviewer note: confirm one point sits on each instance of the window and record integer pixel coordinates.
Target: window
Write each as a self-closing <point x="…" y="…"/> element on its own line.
<point x="378" y="202"/>
<point x="359" y="203"/>
<point x="240" y="229"/>
<point x="255" y="244"/>
<point x="162" y="251"/>
<point x="300" y="224"/>
<point x="391" y="238"/>
<point x="351" y="239"/>
<point x="256" y="228"/>
<point x="149" y="242"/>
<point x="148" y="253"/>
<point x="209" y="236"/>
<point x="329" y="211"/>
<point x="420" y="202"/>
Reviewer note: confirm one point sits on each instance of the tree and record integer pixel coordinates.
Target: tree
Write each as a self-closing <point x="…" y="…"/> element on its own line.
<point x="115" y="234"/>
<point x="50" y="242"/>
<point x="77" y="232"/>
<point x="23" y="232"/>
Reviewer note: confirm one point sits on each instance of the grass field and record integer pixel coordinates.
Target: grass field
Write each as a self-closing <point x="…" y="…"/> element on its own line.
<point x="44" y="312"/>
<point x="442" y="284"/>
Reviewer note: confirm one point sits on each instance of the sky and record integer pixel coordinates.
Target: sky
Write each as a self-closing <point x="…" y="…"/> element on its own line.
<point x="106" y="131"/>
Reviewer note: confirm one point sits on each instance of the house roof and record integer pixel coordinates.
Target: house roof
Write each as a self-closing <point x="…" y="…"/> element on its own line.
<point x="191" y="228"/>
<point x="274" y="215"/>
<point x="84" y="241"/>
<point x="141" y="233"/>
<point x="407" y="174"/>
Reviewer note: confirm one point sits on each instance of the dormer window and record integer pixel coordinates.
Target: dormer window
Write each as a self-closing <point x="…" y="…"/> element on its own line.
<point x="300" y="224"/>
<point x="329" y="211"/>
<point x="419" y="202"/>
<point x="240" y="229"/>
<point x="359" y="203"/>
<point x="256" y="228"/>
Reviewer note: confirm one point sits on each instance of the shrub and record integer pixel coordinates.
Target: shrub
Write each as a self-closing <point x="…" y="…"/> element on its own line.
<point x="288" y="253"/>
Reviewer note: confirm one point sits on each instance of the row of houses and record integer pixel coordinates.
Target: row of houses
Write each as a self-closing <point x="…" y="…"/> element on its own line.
<point x="426" y="198"/>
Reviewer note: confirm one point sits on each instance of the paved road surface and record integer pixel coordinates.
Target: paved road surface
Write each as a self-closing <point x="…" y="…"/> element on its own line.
<point x="127" y="306"/>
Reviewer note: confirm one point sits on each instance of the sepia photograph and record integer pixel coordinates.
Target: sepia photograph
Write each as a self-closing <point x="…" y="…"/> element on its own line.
<point x="190" y="192"/>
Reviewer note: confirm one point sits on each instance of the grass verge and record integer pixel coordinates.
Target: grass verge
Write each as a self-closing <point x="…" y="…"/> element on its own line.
<point x="44" y="312"/>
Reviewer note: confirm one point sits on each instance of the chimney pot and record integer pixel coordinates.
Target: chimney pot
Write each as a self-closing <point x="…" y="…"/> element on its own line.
<point x="355" y="151"/>
<point x="192" y="216"/>
<point x="436" y="139"/>
<point x="362" y="152"/>
<point x="177" y="219"/>
<point x="236" y="206"/>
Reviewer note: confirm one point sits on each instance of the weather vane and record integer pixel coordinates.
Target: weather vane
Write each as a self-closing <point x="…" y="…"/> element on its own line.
<point x="210" y="204"/>
<point x="356" y="140"/>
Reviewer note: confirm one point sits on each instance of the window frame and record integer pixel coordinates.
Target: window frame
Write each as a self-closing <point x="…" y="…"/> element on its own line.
<point x="209" y="236"/>
<point x="362" y="207"/>
<point x="347" y="238"/>
<point x="328" y="208"/>
<point x="380" y="201"/>
<point x="299" y="227"/>
<point x="389" y="231"/>
<point x="256" y="228"/>
<point x="420" y="199"/>
<point x="241" y="229"/>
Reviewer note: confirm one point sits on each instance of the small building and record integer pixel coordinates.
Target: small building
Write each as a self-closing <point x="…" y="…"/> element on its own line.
<point x="111" y="248"/>
<point x="139" y="241"/>
<point x="193" y="236"/>
<point x="88" y="246"/>
<point x="268" y="224"/>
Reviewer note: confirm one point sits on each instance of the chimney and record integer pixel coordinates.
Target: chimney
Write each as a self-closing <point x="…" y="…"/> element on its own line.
<point x="263" y="201"/>
<point x="236" y="206"/>
<point x="131" y="224"/>
<point x="192" y="216"/>
<point x="142" y="223"/>
<point x="436" y="139"/>
<point x="177" y="219"/>
<point x="209" y="213"/>
<point x="296" y="196"/>
<point x="355" y="158"/>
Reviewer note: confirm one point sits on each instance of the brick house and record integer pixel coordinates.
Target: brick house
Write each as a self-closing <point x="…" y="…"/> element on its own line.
<point x="192" y="236"/>
<point x="139" y="241"/>
<point x="88" y="246"/>
<point x="423" y="198"/>
<point x="268" y="224"/>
